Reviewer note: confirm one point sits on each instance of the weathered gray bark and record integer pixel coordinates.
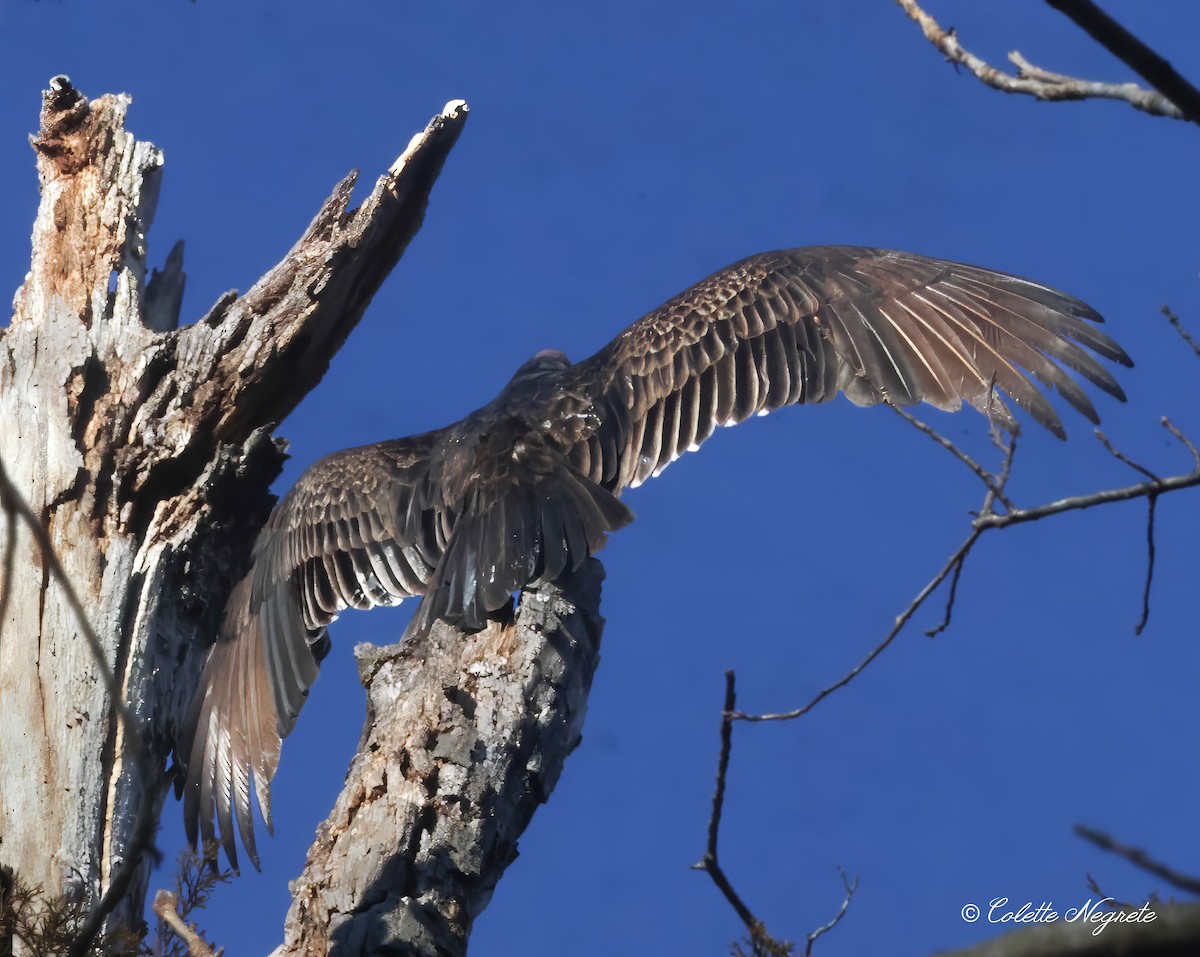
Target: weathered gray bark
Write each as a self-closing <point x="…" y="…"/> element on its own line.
<point x="145" y="450"/>
<point x="465" y="737"/>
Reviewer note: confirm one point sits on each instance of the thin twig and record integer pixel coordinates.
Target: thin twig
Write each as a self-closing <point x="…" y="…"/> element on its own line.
<point x="718" y="802"/>
<point x="761" y="941"/>
<point x="1008" y="449"/>
<point x="1036" y="82"/>
<point x="142" y="836"/>
<point x="986" y="477"/>
<point x="1031" y="70"/>
<point x="1122" y="457"/>
<point x="1139" y="858"/>
<point x="995" y="490"/>
<point x="709" y="862"/>
<point x="851" y="887"/>
<point x="959" y="555"/>
<point x="1187" y="336"/>
<point x="1151" y="506"/>
<point x="987" y="519"/>
<point x="1187" y="443"/>
<point x="950" y="599"/>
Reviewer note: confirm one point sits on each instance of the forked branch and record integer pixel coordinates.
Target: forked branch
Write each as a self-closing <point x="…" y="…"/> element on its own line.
<point x="1171" y="96"/>
<point x="762" y="944"/>
<point x="987" y="519"/>
<point x="1140" y="859"/>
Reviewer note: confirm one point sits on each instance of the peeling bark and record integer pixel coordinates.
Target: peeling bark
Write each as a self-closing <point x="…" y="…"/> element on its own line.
<point x="146" y="452"/>
<point x="465" y="737"/>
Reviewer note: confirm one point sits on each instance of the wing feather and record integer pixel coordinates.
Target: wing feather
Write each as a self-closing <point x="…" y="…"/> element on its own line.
<point x="802" y="325"/>
<point x="374" y="525"/>
<point x="355" y="531"/>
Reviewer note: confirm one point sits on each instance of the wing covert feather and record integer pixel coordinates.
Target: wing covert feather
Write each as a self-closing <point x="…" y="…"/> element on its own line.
<point x="373" y="525"/>
<point x="801" y="325"/>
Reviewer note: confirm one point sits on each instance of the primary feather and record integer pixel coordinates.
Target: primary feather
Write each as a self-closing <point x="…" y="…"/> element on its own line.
<point x="528" y="486"/>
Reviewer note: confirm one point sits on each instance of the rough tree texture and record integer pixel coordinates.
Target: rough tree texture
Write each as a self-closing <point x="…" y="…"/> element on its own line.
<point x="145" y="449"/>
<point x="464" y="739"/>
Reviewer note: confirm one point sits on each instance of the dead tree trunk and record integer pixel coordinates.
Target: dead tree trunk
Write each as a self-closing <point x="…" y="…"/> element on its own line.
<point x="145" y="452"/>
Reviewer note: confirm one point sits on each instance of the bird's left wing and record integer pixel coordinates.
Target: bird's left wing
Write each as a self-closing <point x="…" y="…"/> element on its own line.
<point x="801" y="325"/>
<point x="360" y="528"/>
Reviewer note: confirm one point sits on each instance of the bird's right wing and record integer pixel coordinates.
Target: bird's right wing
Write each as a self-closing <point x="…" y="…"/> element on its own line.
<point x="360" y="528"/>
<point x="801" y="325"/>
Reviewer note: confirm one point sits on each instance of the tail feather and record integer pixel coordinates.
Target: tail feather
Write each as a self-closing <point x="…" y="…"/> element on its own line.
<point x="511" y="533"/>
<point x="234" y="734"/>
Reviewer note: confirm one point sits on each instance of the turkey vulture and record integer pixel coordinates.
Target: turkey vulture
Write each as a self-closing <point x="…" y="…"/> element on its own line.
<point x="528" y="485"/>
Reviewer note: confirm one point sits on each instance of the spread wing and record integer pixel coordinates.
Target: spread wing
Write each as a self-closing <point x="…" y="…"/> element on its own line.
<point x="801" y="325"/>
<point x="370" y="526"/>
<point x="360" y="528"/>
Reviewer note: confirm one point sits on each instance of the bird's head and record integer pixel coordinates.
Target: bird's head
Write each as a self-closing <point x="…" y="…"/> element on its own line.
<point x="546" y="362"/>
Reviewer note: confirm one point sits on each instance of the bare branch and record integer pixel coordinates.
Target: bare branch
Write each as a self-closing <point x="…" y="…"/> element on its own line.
<point x="762" y="944"/>
<point x="1030" y="80"/>
<point x="950" y="599"/>
<point x="166" y="907"/>
<point x="313" y="298"/>
<point x="195" y="879"/>
<point x="1131" y="51"/>
<point x="1187" y="443"/>
<point x="1072" y="503"/>
<point x="903" y="619"/>
<point x="1122" y="457"/>
<point x="1139" y="858"/>
<point x="1151" y="509"/>
<point x="1008" y="449"/>
<point x="709" y="863"/>
<point x="1187" y="337"/>
<point x="851" y="886"/>
<point x="987" y="519"/>
<point x="986" y="477"/>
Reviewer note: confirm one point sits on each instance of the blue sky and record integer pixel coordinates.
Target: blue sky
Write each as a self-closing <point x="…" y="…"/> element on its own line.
<point x="614" y="155"/>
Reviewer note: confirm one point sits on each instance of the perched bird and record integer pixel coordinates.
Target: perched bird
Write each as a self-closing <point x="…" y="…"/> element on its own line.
<point x="528" y="485"/>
